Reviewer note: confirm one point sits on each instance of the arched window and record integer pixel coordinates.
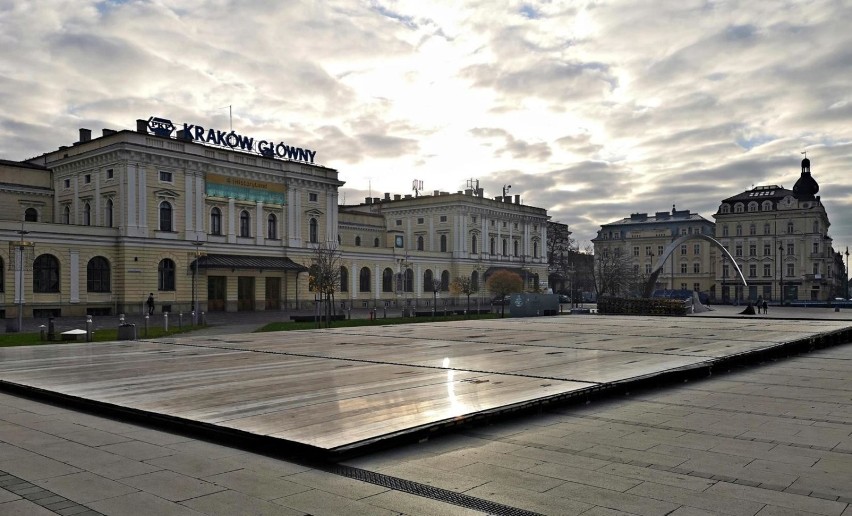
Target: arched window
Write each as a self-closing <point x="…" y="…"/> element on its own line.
<point x="165" y="216"/>
<point x="505" y="247"/>
<point x="108" y="211"/>
<point x="387" y="280"/>
<point x="357" y="241"/>
<point x="215" y="221"/>
<point x="97" y="275"/>
<point x="313" y="233"/>
<point x="443" y="243"/>
<point x="166" y="275"/>
<point x="31" y="215"/>
<point x="245" y="224"/>
<point x="515" y="247"/>
<point x="492" y="247"/>
<point x="46" y="274"/>
<point x="738" y="207"/>
<point x="420" y="242"/>
<point x="364" y="280"/>
<point x="409" y="280"/>
<point x="272" y="227"/>
<point x="474" y="281"/>
<point x="445" y="281"/>
<point x="87" y="214"/>
<point x="726" y="208"/>
<point x="376" y="242"/>
<point x="344" y="279"/>
<point x="752" y="206"/>
<point x="473" y="244"/>
<point x="790" y="228"/>
<point x="427" y="281"/>
<point x="767" y="206"/>
<point x="66" y="215"/>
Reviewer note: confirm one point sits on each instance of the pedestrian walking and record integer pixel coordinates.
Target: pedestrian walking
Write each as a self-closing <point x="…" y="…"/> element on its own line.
<point x="765" y="307"/>
<point x="150" y="303"/>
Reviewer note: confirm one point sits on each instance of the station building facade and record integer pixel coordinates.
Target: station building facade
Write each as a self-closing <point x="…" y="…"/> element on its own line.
<point x="94" y="227"/>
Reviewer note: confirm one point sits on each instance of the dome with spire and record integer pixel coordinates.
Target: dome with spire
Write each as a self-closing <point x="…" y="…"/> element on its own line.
<point x="806" y="187"/>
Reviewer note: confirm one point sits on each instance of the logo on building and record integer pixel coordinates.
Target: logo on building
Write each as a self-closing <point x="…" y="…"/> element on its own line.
<point x="231" y="139"/>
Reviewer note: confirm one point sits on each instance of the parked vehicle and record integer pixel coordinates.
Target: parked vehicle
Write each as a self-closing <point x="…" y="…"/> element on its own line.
<point x="500" y="300"/>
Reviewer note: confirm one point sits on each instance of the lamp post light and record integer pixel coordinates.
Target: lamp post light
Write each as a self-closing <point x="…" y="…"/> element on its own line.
<point x="20" y="245"/>
<point x="436" y="286"/>
<point x="781" y="273"/>
<point x="846" y="274"/>
<point x="195" y="308"/>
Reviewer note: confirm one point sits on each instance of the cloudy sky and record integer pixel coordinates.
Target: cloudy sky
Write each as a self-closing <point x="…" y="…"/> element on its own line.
<point x="591" y="109"/>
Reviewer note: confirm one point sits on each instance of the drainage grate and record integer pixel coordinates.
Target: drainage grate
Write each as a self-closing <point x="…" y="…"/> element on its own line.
<point x="42" y="497"/>
<point x="427" y="491"/>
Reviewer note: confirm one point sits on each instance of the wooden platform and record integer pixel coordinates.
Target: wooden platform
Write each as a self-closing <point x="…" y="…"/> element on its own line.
<point x="340" y="389"/>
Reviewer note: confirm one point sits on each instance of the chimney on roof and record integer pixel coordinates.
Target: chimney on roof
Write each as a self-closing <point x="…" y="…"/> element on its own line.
<point x="397" y="197"/>
<point x="517" y="198"/>
<point x="141" y="126"/>
<point x="107" y="132"/>
<point x="387" y="196"/>
<point x="368" y="200"/>
<point x="85" y="135"/>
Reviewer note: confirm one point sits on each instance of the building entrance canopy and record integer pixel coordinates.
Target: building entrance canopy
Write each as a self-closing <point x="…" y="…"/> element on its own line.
<point x="232" y="261"/>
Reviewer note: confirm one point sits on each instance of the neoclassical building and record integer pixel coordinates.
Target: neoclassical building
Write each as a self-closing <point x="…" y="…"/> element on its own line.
<point x="780" y="240"/>
<point x="641" y="239"/>
<point x="221" y="221"/>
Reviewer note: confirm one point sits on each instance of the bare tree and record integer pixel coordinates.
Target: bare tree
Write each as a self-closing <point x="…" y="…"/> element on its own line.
<point x="502" y="283"/>
<point x="613" y="273"/>
<point x="325" y="275"/>
<point x="463" y="285"/>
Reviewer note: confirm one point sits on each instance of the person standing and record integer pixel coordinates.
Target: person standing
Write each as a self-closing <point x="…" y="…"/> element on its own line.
<point x="765" y="307"/>
<point x="150" y="303"/>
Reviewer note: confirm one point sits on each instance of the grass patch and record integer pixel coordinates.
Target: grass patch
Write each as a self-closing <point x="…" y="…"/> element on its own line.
<point x="100" y="335"/>
<point x="351" y="323"/>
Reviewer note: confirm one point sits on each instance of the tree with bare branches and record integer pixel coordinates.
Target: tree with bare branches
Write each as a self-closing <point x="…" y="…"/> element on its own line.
<point x="324" y="276"/>
<point x="463" y="285"/>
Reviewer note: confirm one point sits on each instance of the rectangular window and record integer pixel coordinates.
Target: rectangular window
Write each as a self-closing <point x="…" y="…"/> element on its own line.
<point x="767" y="270"/>
<point x="647" y="268"/>
<point x="791" y="269"/>
<point x="683" y="267"/>
<point x="696" y="287"/>
<point x="444" y="219"/>
<point x="696" y="268"/>
<point x="420" y="220"/>
<point x="725" y="271"/>
<point x="752" y="270"/>
<point x="816" y="247"/>
<point x="738" y="250"/>
<point x="752" y="249"/>
<point x="683" y="249"/>
<point x="66" y="183"/>
<point x="767" y="250"/>
<point x="87" y="178"/>
<point x="109" y="173"/>
<point x="659" y="250"/>
<point x="312" y="197"/>
<point x="636" y="250"/>
<point x="473" y="219"/>
<point x="166" y="177"/>
<point x="791" y="248"/>
<point x="816" y="268"/>
<point x="696" y="249"/>
<point x="648" y="250"/>
<point x="398" y="222"/>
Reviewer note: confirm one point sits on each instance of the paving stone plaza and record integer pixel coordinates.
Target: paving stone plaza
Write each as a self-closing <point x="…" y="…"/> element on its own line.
<point x="762" y="438"/>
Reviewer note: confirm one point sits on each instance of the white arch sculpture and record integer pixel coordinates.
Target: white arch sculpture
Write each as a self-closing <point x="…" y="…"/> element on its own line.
<point x="658" y="267"/>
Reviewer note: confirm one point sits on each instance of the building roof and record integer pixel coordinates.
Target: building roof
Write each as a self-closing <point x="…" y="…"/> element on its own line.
<point x="232" y="261"/>
<point x="761" y="193"/>
<point x="659" y="217"/>
<point x="21" y="164"/>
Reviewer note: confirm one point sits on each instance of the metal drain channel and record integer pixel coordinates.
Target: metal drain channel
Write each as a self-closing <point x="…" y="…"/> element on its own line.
<point x="427" y="491"/>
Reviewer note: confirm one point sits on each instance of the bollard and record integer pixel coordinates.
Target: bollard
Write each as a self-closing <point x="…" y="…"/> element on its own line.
<point x="349" y="313"/>
<point x="166" y="321"/>
<point x="88" y="328"/>
<point x="386" y="311"/>
<point x="180" y="320"/>
<point x="51" y="329"/>
<point x="146" y="325"/>
<point x="41" y="332"/>
<point x="203" y="319"/>
<point x="194" y="320"/>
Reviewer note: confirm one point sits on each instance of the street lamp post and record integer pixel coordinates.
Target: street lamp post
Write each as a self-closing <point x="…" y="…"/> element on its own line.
<point x="781" y="273"/>
<point x="20" y="245"/>
<point x="195" y="308"/>
<point x="846" y="274"/>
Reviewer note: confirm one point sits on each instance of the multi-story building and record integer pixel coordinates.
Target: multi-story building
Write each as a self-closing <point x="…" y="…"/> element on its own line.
<point x="215" y="220"/>
<point x="780" y="241"/>
<point x="640" y="240"/>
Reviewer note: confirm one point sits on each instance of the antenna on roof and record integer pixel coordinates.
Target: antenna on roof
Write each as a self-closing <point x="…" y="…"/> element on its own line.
<point x="230" y="118"/>
<point x="805" y="153"/>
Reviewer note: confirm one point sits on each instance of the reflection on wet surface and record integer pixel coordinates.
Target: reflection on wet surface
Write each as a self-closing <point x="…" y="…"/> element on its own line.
<point x="336" y="388"/>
